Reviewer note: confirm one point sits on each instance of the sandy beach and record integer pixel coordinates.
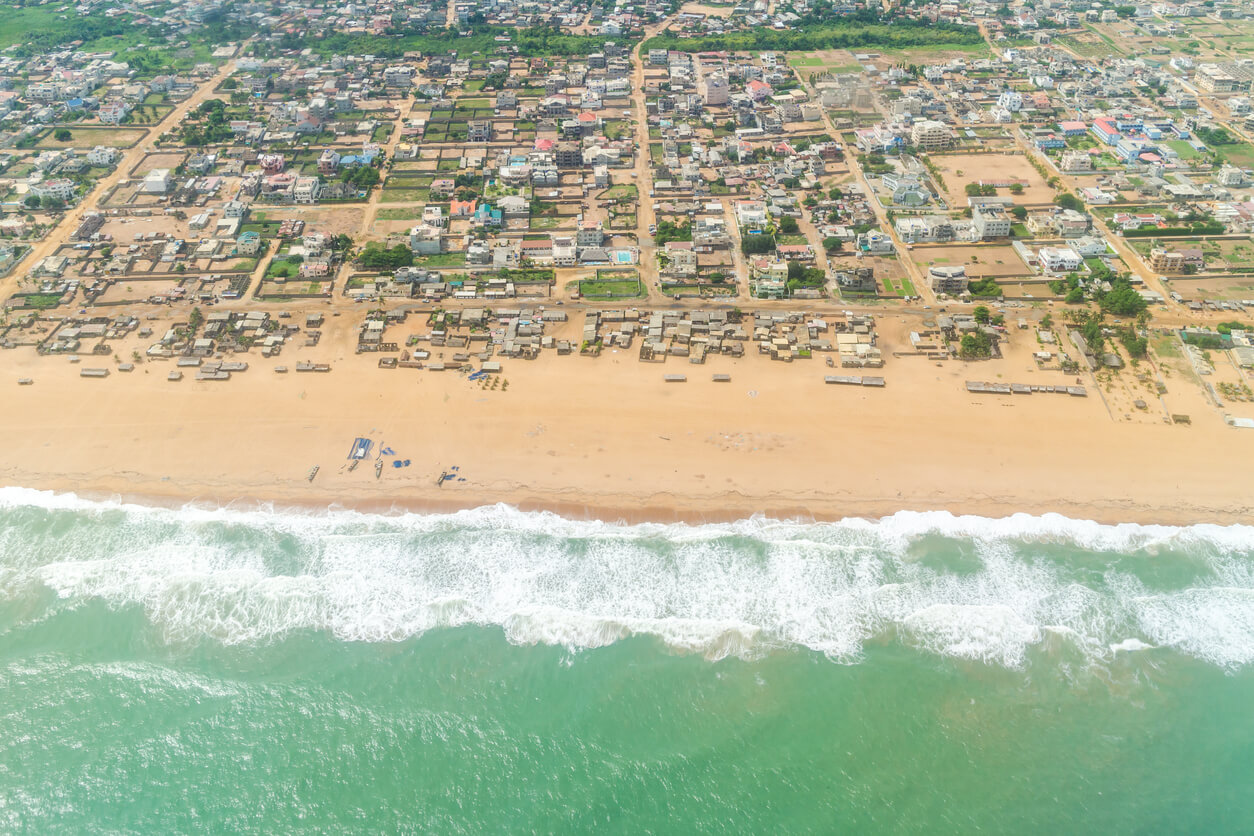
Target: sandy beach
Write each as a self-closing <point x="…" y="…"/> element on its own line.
<point x="608" y="438"/>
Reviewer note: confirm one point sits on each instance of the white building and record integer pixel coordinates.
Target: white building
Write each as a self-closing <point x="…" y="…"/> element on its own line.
<point x="929" y="135"/>
<point x="1059" y="259"/>
<point x="103" y="155"/>
<point x="990" y="221"/>
<point x="306" y="190"/>
<point x="60" y="189"/>
<point x="1011" y="100"/>
<point x="157" y="181"/>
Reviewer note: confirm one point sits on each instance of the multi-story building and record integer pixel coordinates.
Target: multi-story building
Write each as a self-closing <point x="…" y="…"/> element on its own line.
<point x="715" y="90"/>
<point x="1059" y="259"/>
<point x="952" y="280"/>
<point x="1166" y="261"/>
<point x="930" y="135"/>
<point x="1215" y="79"/>
<point x="990" y="221"/>
<point x="1077" y="161"/>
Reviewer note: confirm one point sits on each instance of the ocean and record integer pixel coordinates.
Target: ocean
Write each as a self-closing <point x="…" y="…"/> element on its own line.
<point x="494" y="671"/>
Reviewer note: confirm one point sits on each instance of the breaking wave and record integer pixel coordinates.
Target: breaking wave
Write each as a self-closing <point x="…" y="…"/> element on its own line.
<point x="982" y="589"/>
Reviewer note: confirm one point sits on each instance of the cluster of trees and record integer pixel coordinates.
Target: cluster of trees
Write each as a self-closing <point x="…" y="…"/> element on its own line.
<point x="980" y="190"/>
<point x="376" y="257"/>
<point x="1233" y="325"/>
<point x="975" y="345"/>
<point x="757" y="243"/>
<point x="495" y="81"/>
<point x="535" y="41"/>
<point x="1207" y="227"/>
<point x="824" y="30"/>
<point x="801" y="276"/>
<point x="1215" y="136"/>
<point x="1070" y="286"/>
<point x="984" y="316"/>
<point x="1121" y="299"/>
<point x="668" y="231"/>
<point x="1093" y="328"/>
<point x="361" y="176"/>
<point x="211" y="125"/>
<point x="984" y="288"/>
<point x="46" y="202"/>
<point x="788" y="225"/>
<point x="1069" y="201"/>
<point x="62" y="135"/>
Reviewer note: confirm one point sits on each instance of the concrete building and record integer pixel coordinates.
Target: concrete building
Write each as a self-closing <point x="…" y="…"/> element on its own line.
<point x="157" y="181"/>
<point x="1059" y="259"/>
<point x="951" y="280"/>
<point x="1166" y="261"/>
<point x="990" y="221"/>
<point x="1076" y="161"/>
<point x="930" y="135"/>
<point x="715" y="90"/>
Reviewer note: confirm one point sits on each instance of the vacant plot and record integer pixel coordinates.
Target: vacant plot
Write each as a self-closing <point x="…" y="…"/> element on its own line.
<point x="979" y="261"/>
<point x="170" y="160"/>
<point x="403" y="195"/>
<point x="1223" y="288"/>
<point x="81" y="137"/>
<point x="959" y="170"/>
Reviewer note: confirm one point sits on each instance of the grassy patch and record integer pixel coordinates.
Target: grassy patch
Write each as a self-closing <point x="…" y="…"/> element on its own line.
<point x="1184" y="149"/>
<point x="399" y="214"/>
<point x="1240" y="154"/>
<point x="441" y="260"/>
<point x="623" y="191"/>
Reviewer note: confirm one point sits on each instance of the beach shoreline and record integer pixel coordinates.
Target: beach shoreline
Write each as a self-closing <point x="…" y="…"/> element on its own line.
<point x="610" y="439"/>
<point x="623" y="510"/>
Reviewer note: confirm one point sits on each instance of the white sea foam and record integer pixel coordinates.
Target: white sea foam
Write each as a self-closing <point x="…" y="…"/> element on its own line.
<point x="966" y="587"/>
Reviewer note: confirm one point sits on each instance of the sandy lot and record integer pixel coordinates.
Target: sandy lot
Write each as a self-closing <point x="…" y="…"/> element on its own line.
<point x="980" y="261"/>
<point x="977" y="167"/>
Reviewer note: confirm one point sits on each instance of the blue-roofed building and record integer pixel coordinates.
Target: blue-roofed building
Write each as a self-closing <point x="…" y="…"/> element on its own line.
<point x="485" y="215"/>
<point x="248" y="243"/>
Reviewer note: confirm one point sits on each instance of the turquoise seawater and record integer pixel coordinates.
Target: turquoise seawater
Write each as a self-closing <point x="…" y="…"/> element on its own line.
<point x="492" y="671"/>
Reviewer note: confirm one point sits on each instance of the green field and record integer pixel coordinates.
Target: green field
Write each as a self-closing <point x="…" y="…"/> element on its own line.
<point x="399" y="214"/>
<point x="441" y="260"/>
<point x="403" y="196"/>
<point x="1184" y="149"/>
<point x="1240" y="154"/>
<point x="623" y="191"/>
<point x="610" y="288"/>
<point x="900" y="287"/>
